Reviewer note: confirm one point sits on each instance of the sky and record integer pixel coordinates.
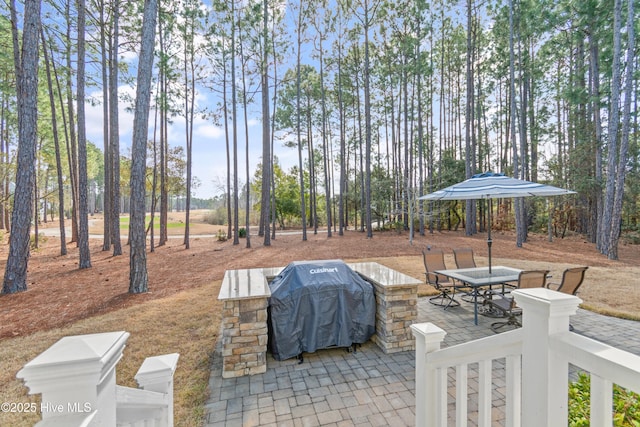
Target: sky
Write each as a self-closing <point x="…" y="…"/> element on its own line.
<point x="209" y="147"/>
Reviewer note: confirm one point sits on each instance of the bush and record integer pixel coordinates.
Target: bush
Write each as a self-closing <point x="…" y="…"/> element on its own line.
<point x="631" y="237"/>
<point x="626" y="404"/>
<point x="221" y="236"/>
<point x="242" y="232"/>
<point x="216" y="217"/>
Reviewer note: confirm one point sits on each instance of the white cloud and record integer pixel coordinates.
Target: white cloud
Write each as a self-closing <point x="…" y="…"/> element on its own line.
<point x="207" y="130"/>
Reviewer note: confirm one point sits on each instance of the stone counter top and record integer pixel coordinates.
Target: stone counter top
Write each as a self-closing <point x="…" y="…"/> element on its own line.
<point x="383" y="276"/>
<point x="247" y="283"/>
<point x="254" y="282"/>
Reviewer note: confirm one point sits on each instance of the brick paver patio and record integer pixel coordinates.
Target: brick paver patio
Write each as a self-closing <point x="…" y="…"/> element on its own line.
<point x="368" y="388"/>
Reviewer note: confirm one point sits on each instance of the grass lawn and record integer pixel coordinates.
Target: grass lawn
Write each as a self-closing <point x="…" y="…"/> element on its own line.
<point x="186" y="323"/>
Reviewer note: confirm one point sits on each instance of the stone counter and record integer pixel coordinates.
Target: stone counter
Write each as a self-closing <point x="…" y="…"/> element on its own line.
<point x="396" y="305"/>
<point x="245" y="295"/>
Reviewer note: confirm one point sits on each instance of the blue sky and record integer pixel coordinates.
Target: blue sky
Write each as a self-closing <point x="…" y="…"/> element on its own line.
<point x="209" y="152"/>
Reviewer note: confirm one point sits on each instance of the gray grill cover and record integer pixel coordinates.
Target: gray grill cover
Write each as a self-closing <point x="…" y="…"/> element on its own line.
<point x="319" y="304"/>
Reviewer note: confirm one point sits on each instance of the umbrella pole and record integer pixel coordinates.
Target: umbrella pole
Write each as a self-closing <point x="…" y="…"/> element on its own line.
<point x="489" y="241"/>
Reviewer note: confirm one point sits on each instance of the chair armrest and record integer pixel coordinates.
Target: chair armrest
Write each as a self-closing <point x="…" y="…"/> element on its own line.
<point x="509" y="284"/>
<point x="553" y="286"/>
<point x="490" y="295"/>
<point x="432" y="278"/>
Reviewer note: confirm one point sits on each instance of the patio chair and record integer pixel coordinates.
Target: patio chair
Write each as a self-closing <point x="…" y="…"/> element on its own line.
<point x="572" y="279"/>
<point x="434" y="260"/>
<point x="507" y="305"/>
<point x="464" y="258"/>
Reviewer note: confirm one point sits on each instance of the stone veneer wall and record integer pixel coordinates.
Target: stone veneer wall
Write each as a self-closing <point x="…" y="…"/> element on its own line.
<point x="244" y="337"/>
<point x="396" y="311"/>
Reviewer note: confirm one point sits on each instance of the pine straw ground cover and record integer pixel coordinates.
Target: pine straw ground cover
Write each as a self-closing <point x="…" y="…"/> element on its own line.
<point x="181" y="312"/>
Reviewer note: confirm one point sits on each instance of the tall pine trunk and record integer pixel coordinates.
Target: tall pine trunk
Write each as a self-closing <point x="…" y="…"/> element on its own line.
<point x="595" y="96"/>
<point x="189" y="106"/>
<point x="164" y="113"/>
<point x="325" y="143"/>
<point x="267" y="162"/>
<point x="469" y="162"/>
<point x="245" y="107"/>
<point x="83" y="206"/>
<point x="225" y="110"/>
<point x="114" y="135"/>
<point x="234" y="117"/>
<point x="298" y="121"/>
<point x="616" y="214"/>
<point x="56" y="141"/>
<point x="104" y="68"/>
<point x="26" y="68"/>
<point x="367" y="118"/>
<point x="342" y="224"/>
<point x="614" y="115"/>
<point x="514" y="117"/>
<point x="138" y="277"/>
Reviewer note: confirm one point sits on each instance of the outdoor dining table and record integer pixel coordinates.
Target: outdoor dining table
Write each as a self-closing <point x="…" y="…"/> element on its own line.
<point x="481" y="276"/>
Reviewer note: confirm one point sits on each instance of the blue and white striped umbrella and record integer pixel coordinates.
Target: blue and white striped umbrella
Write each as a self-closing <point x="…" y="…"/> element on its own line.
<point x="491" y="185"/>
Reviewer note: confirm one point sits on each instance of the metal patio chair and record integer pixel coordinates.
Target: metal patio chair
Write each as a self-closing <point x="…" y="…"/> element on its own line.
<point x="434" y="260"/>
<point x="464" y="258"/>
<point x="506" y="304"/>
<point x="572" y="279"/>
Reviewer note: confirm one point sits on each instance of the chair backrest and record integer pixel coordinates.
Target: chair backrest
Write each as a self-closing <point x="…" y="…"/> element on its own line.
<point x="464" y="258"/>
<point x="434" y="260"/>
<point x="532" y="279"/>
<point x="572" y="278"/>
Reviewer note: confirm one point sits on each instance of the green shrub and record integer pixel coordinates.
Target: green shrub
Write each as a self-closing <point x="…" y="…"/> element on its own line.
<point x="626" y="404"/>
<point x="242" y="232"/>
<point x="221" y="236"/>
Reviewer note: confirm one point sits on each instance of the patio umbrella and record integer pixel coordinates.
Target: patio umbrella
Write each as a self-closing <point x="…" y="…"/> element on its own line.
<point x="491" y="185"/>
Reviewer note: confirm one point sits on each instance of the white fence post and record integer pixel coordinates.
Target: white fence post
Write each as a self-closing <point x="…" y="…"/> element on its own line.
<point x="544" y="373"/>
<point x="156" y="374"/>
<point x="428" y="339"/>
<point x="77" y="375"/>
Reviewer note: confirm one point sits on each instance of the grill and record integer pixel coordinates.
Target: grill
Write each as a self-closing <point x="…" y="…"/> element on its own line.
<point x="316" y="305"/>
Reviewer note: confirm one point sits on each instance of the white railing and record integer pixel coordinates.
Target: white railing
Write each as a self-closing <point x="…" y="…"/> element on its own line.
<point x="536" y="362"/>
<point x="77" y="380"/>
